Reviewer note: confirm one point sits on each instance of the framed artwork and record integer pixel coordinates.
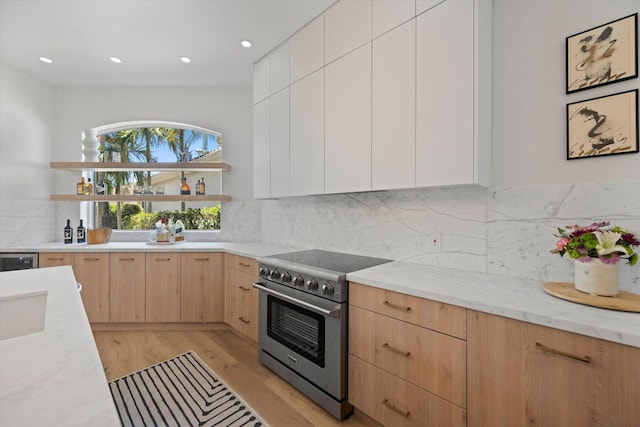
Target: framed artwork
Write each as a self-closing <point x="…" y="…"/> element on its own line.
<point x="603" y="126"/>
<point x="603" y="55"/>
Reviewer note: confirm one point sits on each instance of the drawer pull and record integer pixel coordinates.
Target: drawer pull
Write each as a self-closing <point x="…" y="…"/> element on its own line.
<point x="585" y="359"/>
<point x="90" y="259"/>
<point x="202" y="259"/>
<point x="163" y="259"/>
<point x="242" y="264"/>
<point x="244" y="289"/>
<point x="55" y="259"/>
<point x="399" y="307"/>
<point x="394" y="409"/>
<point x="125" y="259"/>
<point x="395" y="350"/>
<point x="242" y="320"/>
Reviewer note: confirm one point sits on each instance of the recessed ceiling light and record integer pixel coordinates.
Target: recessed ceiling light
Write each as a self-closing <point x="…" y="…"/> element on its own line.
<point x="45" y="59"/>
<point x="245" y="43"/>
<point x="115" y="59"/>
<point x="185" y="59"/>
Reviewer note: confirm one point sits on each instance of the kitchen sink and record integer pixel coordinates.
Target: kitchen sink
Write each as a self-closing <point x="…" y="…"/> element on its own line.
<point x="22" y="314"/>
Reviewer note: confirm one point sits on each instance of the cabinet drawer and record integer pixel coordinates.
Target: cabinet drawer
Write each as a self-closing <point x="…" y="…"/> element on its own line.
<point x="241" y="288"/>
<point x="244" y="318"/>
<point x="440" y="317"/>
<point x="55" y="259"/>
<point x="394" y="402"/>
<point x="241" y="263"/>
<point x="433" y="361"/>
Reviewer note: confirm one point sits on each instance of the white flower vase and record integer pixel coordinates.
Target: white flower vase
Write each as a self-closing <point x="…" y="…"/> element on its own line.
<point x="90" y="145"/>
<point x="597" y="278"/>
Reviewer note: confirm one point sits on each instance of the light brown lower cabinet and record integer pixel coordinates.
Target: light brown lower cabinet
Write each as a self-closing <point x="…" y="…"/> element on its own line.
<point x="92" y="271"/>
<point x="127" y="281"/>
<point x="162" y="287"/>
<point x="521" y="374"/>
<point x="241" y="308"/>
<point x="395" y="402"/>
<point x="201" y="287"/>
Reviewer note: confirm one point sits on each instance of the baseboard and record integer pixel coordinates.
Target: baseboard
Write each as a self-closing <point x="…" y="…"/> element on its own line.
<point x="105" y="327"/>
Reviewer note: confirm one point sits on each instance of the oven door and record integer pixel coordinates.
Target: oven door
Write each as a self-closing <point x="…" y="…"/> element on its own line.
<point x="306" y="333"/>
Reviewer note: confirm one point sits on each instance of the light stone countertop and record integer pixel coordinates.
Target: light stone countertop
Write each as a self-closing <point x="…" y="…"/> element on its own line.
<point x="53" y="377"/>
<point x="520" y="299"/>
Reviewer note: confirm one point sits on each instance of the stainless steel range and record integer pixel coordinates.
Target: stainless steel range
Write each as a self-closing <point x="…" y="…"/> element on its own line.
<point x="303" y="321"/>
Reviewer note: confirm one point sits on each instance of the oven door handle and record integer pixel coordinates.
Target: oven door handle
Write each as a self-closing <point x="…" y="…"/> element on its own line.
<point x="330" y="313"/>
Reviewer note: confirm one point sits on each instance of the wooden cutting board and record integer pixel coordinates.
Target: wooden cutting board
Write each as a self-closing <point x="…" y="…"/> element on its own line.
<point x="624" y="301"/>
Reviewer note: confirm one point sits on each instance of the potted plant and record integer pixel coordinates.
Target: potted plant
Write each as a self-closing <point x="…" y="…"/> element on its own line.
<point x="597" y="250"/>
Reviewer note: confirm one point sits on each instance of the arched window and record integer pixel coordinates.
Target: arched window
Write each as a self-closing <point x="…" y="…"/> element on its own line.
<point x="148" y="142"/>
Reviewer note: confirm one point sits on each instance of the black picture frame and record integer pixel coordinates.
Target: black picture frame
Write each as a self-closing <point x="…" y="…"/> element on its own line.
<point x="602" y="55"/>
<point x="603" y="126"/>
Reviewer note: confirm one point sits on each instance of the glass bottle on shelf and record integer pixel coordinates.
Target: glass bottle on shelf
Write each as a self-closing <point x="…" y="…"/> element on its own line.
<point x="80" y="187"/>
<point x="88" y="187"/>
<point x="198" y="188"/>
<point x="202" y="186"/>
<point x="185" y="189"/>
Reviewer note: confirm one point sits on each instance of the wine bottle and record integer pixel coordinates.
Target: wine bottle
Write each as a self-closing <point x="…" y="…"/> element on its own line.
<point x="68" y="233"/>
<point x="80" y="236"/>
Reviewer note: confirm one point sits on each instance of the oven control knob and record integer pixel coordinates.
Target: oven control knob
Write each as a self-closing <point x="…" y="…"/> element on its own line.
<point x="298" y="281"/>
<point x="264" y="272"/>
<point x="285" y="277"/>
<point x="327" y="289"/>
<point x="312" y="285"/>
<point x="274" y="274"/>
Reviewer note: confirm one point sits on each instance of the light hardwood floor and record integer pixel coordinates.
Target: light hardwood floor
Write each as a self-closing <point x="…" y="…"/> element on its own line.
<point x="233" y="358"/>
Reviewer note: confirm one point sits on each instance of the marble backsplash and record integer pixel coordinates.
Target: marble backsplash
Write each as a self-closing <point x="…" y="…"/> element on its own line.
<point x="507" y="231"/>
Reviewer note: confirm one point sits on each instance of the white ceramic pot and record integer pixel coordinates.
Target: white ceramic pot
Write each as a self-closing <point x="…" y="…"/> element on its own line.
<point x="90" y="146"/>
<point x="597" y="278"/>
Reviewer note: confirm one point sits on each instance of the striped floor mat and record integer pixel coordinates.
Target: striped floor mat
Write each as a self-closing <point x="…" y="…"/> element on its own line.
<point x="182" y="391"/>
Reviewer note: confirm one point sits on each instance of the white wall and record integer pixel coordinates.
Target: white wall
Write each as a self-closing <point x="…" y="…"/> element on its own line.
<point x="529" y="100"/>
<point x="226" y="110"/>
<point x="26" y="143"/>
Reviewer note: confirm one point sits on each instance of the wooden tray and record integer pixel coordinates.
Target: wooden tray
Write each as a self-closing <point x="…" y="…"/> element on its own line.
<point x="624" y="301"/>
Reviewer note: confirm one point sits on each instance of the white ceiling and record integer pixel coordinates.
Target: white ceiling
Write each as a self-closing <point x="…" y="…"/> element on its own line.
<point x="149" y="36"/>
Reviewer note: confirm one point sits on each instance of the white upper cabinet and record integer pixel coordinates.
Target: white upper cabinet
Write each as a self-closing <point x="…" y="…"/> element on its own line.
<point x="280" y="143"/>
<point x="388" y="14"/>
<point x="261" y="150"/>
<point x="393" y="142"/>
<point x="279" y="68"/>
<point x="307" y="135"/>
<point x="424" y="5"/>
<point x="348" y="123"/>
<point x="451" y="147"/>
<point x="261" y="79"/>
<point x="347" y="27"/>
<point x="307" y="49"/>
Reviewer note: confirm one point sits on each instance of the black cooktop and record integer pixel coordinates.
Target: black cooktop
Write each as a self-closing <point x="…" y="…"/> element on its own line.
<point x="326" y="260"/>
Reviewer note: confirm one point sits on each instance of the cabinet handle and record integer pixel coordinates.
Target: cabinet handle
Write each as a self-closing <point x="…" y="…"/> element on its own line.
<point x="585" y="359"/>
<point x="202" y="259"/>
<point x="55" y="259"/>
<point x="395" y="350"/>
<point x="243" y="288"/>
<point x="399" y="307"/>
<point x="125" y="259"/>
<point x="242" y="264"/>
<point x="394" y="409"/>
<point x="90" y="259"/>
<point x="242" y="320"/>
<point x="163" y="259"/>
